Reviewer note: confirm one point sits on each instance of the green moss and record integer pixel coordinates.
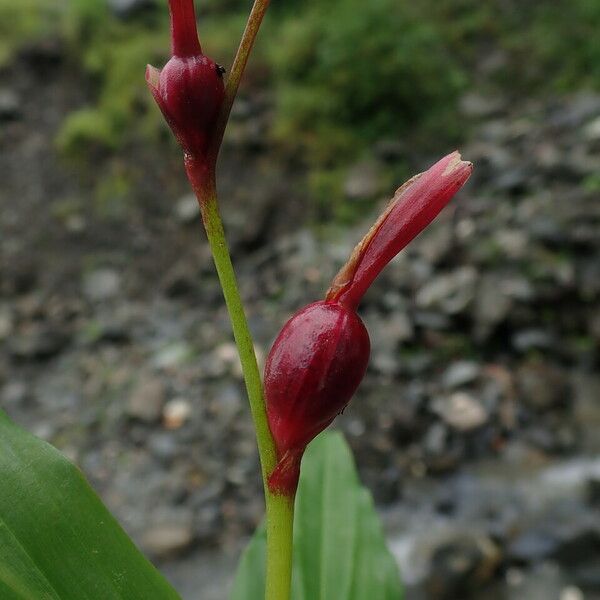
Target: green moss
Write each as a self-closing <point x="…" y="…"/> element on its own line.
<point x="27" y="20"/>
<point x="349" y="72"/>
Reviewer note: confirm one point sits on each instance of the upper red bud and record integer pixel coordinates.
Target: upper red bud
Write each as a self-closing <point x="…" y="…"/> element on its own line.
<point x="189" y="90"/>
<point x="320" y="356"/>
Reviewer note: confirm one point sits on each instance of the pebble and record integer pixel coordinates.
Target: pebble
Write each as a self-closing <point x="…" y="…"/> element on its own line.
<point x="187" y="210"/>
<point x="39" y="341"/>
<point x="146" y="400"/>
<point x="10" y="106"/>
<point x="461" y="411"/>
<point x="167" y="540"/>
<point x="102" y="284"/>
<point x="462" y="565"/>
<point x="452" y="292"/>
<point x="542" y="386"/>
<point x="176" y="412"/>
<point x="125" y="9"/>
<point x="532" y="339"/>
<point x="460" y="373"/>
<point x="363" y="181"/>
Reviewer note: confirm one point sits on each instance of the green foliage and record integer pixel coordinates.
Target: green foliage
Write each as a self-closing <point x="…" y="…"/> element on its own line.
<point x="25" y="20"/>
<point x="57" y="540"/>
<point x="345" y="73"/>
<point x="566" y="39"/>
<point x="115" y="55"/>
<point x="339" y="549"/>
<point x="349" y="72"/>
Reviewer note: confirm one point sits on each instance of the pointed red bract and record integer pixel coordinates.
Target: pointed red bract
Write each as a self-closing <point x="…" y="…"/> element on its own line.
<point x="412" y="209"/>
<point x="184" y="31"/>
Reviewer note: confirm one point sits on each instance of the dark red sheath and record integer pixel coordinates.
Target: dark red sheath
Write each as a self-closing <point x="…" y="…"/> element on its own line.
<point x="313" y="369"/>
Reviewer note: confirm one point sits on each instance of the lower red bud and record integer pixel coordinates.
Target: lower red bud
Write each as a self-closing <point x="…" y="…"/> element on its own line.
<point x="314" y="367"/>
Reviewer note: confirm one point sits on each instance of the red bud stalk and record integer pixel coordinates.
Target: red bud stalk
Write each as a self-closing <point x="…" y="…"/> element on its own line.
<point x="320" y="356"/>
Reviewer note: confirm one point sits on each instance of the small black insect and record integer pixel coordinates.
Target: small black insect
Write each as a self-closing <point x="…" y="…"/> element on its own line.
<point x="221" y="70"/>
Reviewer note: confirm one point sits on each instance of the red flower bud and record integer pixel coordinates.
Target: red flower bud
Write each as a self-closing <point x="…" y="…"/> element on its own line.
<point x="189" y="90"/>
<point x="312" y="371"/>
<point x="321" y="354"/>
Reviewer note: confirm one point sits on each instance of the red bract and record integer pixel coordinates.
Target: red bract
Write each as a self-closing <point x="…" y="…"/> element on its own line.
<point x="413" y="207"/>
<point x="321" y="354"/>
<point x="189" y="90"/>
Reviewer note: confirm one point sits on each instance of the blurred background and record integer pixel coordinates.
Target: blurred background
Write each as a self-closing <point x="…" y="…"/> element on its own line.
<point x="477" y="427"/>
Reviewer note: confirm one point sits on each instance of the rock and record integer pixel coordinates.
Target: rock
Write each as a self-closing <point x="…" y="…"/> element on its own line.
<point x="39" y="341"/>
<point x="363" y="181"/>
<point x="592" y="130"/>
<point x="461" y="411"/>
<point x="14" y="393"/>
<point x="543" y="582"/>
<point x="461" y="566"/>
<point x="125" y="9"/>
<point x="478" y="106"/>
<point x="176" y="412"/>
<point x="180" y="281"/>
<point x="512" y="180"/>
<point x="542" y="386"/>
<point x="168" y="540"/>
<point x="431" y="320"/>
<point x="532" y="339"/>
<point x="434" y="441"/>
<point x="389" y="331"/>
<point x="460" y="373"/>
<point x="102" y="284"/>
<point x="10" y="106"/>
<point x="533" y="546"/>
<point x="452" y="292"/>
<point x="578" y="545"/>
<point x="513" y="243"/>
<point x="172" y="355"/>
<point x="491" y="306"/>
<point x="187" y="210"/>
<point x="571" y="593"/>
<point x="593" y="491"/>
<point x="576" y="112"/>
<point x="6" y="323"/>
<point x="163" y="446"/>
<point x="146" y="400"/>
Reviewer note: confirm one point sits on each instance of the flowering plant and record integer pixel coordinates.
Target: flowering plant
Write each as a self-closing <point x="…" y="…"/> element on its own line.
<point x="312" y="371"/>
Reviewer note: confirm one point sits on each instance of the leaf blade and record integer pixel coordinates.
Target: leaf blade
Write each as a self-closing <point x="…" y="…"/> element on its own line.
<point x="57" y="539"/>
<point x="339" y="548"/>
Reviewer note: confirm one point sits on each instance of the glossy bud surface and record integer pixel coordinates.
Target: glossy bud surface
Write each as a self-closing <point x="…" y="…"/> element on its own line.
<point x="189" y="90"/>
<point x="312" y="371"/>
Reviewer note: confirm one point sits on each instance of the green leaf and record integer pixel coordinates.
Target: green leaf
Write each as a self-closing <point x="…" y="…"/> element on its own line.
<point x="57" y="540"/>
<point x="339" y="548"/>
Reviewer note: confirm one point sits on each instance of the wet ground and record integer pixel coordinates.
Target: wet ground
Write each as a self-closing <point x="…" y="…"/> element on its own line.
<point x="477" y="425"/>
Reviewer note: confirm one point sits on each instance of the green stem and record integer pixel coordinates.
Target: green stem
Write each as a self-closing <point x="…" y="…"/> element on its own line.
<point x="280" y="509"/>
<point x="280" y="523"/>
<point x="259" y="8"/>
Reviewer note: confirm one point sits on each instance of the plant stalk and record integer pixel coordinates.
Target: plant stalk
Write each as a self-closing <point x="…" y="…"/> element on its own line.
<point x="259" y="8"/>
<point x="279" y="509"/>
